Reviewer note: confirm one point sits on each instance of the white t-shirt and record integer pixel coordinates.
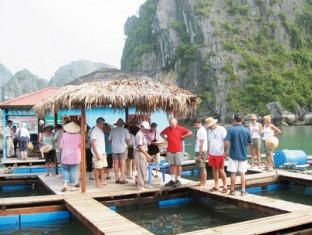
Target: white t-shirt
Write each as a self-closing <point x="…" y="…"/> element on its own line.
<point x="216" y="140"/>
<point x="98" y="135"/>
<point x="201" y="134"/>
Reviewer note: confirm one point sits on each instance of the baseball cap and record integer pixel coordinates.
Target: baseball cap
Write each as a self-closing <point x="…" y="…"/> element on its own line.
<point x="238" y="117"/>
<point x="146" y="125"/>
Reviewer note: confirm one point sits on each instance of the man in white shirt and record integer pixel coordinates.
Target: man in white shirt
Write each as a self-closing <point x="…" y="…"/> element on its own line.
<point x="201" y="150"/>
<point x="9" y="140"/>
<point x="216" y="152"/>
<point x="99" y="152"/>
<point x="119" y="138"/>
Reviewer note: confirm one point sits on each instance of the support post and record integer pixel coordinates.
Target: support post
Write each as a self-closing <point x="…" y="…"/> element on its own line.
<point x="127" y="114"/>
<point x="83" y="149"/>
<point x="56" y="163"/>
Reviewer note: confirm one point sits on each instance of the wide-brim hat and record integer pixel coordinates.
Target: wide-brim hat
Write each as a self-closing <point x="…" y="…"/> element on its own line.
<point x="47" y="126"/>
<point x="271" y="142"/>
<point x="119" y="122"/>
<point x="210" y="121"/>
<point x="30" y="146"/>
<point x="46" y="148"/>
<point x="72" y="128"/>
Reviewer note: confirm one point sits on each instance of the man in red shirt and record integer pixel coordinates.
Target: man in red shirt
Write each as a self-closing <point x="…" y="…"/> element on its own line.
<point x="175" y="134"/>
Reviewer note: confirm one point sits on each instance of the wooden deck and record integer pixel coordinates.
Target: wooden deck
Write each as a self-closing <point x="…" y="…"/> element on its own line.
<point x="14" y="161"/>
<point x="102" y="220"/>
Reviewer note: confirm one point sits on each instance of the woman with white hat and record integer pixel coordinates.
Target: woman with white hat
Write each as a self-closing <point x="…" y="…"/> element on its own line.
<point x="71" y="155"/>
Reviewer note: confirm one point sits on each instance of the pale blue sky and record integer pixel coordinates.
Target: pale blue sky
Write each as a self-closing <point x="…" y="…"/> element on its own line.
<point x="42" y="35"/>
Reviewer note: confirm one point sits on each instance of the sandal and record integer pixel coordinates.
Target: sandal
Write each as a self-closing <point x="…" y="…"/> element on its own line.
<point x="64" y="190"/>
<point x="108" y="177"/>
<point x="243" y="193"/>
<point x="213" y="189"/>
<point x="91" y="178"/>
<point x="123" y="181"/>
<point x="117" y="181"/>
<point x="232" y="192"/>
<point x="224" y="190"/>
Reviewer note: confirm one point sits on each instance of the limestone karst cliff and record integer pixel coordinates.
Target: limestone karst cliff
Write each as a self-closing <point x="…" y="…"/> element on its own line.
<point x="237" y="55"/>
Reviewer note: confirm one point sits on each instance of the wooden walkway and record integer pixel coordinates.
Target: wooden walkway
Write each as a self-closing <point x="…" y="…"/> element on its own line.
<point x="102" y="220"/>
<point x="28" y="162"/>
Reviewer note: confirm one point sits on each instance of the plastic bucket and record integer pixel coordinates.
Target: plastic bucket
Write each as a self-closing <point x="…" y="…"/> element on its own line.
<point x="285" y="156"/>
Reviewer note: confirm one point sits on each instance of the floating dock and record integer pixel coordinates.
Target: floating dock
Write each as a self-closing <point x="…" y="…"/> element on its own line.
<point x="89" y="207"/>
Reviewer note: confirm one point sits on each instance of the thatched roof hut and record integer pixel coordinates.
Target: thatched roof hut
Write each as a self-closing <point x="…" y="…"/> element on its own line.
<point x="118" y="90"/>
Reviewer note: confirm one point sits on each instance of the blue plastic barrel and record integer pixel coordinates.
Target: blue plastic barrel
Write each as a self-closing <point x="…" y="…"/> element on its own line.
<point x="286" y="156"/>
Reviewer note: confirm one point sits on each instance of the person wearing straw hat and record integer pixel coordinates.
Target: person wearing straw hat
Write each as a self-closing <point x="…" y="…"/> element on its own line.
<point x="269" y="130"/>
<point x="239" y="138"/>
<point x="119" y="138"/>
<point x="70" y="146"/>
<point x="175" y="134"/>
<point x="216" y="152"/>
<point x="141" y="156"/>
<point x="99" y="152"/>
<point x="47" y="139"/>
<point x="255" y="130"/>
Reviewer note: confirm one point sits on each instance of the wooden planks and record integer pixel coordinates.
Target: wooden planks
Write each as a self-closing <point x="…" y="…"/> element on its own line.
<point x="264" y="225"/>
<point x="100" y="219"/>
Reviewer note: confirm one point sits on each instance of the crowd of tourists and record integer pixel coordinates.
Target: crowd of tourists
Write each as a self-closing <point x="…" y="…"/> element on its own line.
<point x="128" y="148"/>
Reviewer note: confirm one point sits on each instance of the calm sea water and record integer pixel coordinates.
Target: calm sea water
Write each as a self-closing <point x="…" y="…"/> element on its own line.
<point x="292" y="138"/>
<point x="295" y="193"/>
<point x="56" y="227"/>
<point x="190" y="217"/>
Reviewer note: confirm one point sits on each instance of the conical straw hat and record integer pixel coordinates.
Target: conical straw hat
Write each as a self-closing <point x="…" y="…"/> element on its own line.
<point x="30" y="146"/>
<point x="72" y="127"/>
<point x="271" y="142"/>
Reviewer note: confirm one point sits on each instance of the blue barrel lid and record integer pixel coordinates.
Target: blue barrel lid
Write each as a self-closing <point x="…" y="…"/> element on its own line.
<point x="279" y="158"/>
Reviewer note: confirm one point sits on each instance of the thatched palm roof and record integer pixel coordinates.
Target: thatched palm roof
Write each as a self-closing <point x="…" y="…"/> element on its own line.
<point x="118" y="90"/>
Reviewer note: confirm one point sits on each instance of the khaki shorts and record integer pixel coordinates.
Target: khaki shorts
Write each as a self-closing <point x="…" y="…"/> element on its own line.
<point x="175" y="158"/>
<point x="201" y="165"/>
<point x="120" y="156"/>
<point x="256" y="143"/>
<point x="99" y="164"/>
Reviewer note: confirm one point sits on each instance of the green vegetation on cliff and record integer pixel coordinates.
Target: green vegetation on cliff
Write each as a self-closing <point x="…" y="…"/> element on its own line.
<point x="237" y="55"/>
<point x="275" y="73"/>
<point x="140" y="37"/>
